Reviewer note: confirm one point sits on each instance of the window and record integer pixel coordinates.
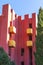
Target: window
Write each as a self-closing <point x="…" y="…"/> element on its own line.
<point x="35" y="35"/>
<point x="9" y="51"/>
<point x="22" y="63"/>
<point x="30" y="25"/>
<point x="30" y="55"/>
<point x="30" y="37"/>
<point x="22" y="51"/>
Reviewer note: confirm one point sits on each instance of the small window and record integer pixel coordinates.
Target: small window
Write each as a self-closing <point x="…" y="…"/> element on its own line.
<point x="9" y="51"/>
<point x="35" y="35"/>
<point x="30" y="37"/>
<point x="30" y="25"/>
<point x="22" y="51"/>
<point x="22" y="63"/>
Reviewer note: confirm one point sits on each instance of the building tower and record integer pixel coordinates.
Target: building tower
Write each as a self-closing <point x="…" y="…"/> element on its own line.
<point x="17" y="36"/>
<point x="11" y="42"/>
<point x="25" y="40"/>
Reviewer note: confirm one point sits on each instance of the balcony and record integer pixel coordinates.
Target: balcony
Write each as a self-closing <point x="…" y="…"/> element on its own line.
<point x="11" y="43"/>
<point x="12" y="29"/>
<point x="29" y="43"/>
<point x="29" y="30"/>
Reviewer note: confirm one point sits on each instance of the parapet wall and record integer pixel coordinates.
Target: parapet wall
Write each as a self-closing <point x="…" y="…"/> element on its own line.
<point x="27" y="17"/>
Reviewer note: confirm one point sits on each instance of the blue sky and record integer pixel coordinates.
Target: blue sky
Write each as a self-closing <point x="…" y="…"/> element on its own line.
<point x="22" y="7"/>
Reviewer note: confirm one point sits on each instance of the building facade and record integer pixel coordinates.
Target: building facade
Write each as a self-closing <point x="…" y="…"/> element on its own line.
<point x="17" y="36"/>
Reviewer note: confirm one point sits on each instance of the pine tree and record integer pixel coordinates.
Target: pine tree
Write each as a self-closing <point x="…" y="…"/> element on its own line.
<point x="39" y="39"/>
<point x="4" y="59"/>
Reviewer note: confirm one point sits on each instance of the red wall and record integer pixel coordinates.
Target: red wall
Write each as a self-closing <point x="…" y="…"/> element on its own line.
<point x="3" y="26"/>
<point x="21" y="36"/>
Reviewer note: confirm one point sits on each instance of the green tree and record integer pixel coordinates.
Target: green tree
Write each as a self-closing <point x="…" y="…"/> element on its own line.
<point x="4" y="59"/>
<point x="39" y="39"/>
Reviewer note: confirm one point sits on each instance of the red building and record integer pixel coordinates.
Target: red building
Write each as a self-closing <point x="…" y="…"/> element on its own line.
<point x="17" y="36"/>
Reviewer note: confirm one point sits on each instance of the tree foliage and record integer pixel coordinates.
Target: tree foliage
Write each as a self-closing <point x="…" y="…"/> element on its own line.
<point x="39" y="39"/>
<point x="4" y="59"/>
